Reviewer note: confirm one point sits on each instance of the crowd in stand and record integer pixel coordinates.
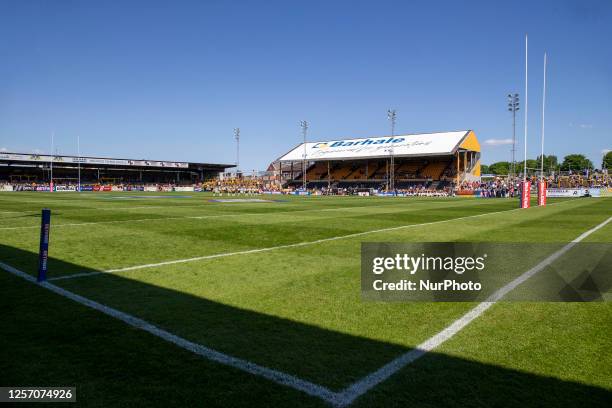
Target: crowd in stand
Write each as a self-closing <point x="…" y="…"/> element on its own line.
<point x="424" y="191"/>
<point x="498" y="187"/>
<point x="237" y="185"/>
<point x="577" y="180"/>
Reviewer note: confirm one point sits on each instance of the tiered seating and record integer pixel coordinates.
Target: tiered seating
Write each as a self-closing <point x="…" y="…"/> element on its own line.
<point x="381" y="171"/>
<point x="317" y="172"/>
<point x="434" y="170"/>
<point x="377" y="170"/>
<point x="408" y="170"/>
<point x="342" y="172"/>
<point x="373" y="168"/>
<point x="358" y="172"/>
<point x="449" y="171"/>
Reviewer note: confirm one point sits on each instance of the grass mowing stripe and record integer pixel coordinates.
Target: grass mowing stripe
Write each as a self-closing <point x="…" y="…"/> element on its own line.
<point x="362" y="386"/>
<point x="173" y="207"/>
<point x="150" y="242"/>
<point x="188" y="217"/>
<point x="210" y="354"/>
<point x="258" y="250"/>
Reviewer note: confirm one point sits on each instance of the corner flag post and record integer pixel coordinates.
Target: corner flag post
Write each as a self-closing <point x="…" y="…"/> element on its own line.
<point x="43" y="253"/>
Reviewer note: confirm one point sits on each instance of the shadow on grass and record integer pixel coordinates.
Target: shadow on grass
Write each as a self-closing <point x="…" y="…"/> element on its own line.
<point x="49" y="340"/>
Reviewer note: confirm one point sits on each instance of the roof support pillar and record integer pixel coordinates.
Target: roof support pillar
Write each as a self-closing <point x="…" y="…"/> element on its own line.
<point x="457" y="175"/>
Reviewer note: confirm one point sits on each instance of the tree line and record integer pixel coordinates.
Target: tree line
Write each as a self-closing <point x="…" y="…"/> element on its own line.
<point x="571" y="162"/>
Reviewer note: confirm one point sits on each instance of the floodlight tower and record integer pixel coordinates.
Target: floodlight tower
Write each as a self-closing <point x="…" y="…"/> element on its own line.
<point x="304" y="126"/>
<point x="237" y="138"/>
<point x="513" y="106"/>
<point x="392" y="116"/>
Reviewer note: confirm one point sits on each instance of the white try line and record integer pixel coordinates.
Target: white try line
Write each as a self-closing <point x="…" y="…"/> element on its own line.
<point x="274" y="248"/>
<point x="344" y="397"/>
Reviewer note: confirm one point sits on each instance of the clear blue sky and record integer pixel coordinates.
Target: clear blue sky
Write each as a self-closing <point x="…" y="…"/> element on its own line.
<point x="170" y="80"/>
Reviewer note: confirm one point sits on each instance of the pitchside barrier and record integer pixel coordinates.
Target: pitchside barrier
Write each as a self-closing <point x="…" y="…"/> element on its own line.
<point x="577" y="192"/>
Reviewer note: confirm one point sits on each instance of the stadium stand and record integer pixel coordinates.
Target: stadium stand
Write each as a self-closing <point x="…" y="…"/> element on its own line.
<point x="431" y="159"/>
<point x="24" y="168"/>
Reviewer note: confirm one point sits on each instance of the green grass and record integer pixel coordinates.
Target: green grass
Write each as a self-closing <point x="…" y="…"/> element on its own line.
<point x="295" y="309"/>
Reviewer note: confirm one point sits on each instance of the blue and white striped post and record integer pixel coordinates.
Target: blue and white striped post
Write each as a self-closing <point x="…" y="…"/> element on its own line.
<point x="43" y="253"/>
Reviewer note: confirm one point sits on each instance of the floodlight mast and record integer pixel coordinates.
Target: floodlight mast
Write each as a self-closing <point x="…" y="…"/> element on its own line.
<point x="304" y="126"/>
<point x="513" y="106"/>
<point x="392" y="116"/>
<point x="237" y="138"/>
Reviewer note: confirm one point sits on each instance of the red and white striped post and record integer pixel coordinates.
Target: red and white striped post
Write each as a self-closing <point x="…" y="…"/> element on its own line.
<point x="525" y="194"/>
<point x="541" y="192"/>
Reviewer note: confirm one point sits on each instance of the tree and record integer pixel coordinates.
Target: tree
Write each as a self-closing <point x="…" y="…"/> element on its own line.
<point x="484" y="169"/>
<point x="550" y="162"/>
<point x="607" y="161"/>
<point x="576" y="162"/>
<point x="502" y="167"/>
<point x="533" y="164"/>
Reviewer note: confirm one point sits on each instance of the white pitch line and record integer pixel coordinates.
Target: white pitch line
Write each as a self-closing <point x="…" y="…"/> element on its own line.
<point x="349" y="394"/>
<point x="257" y="250"/>
<point x="210" y="354"/>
